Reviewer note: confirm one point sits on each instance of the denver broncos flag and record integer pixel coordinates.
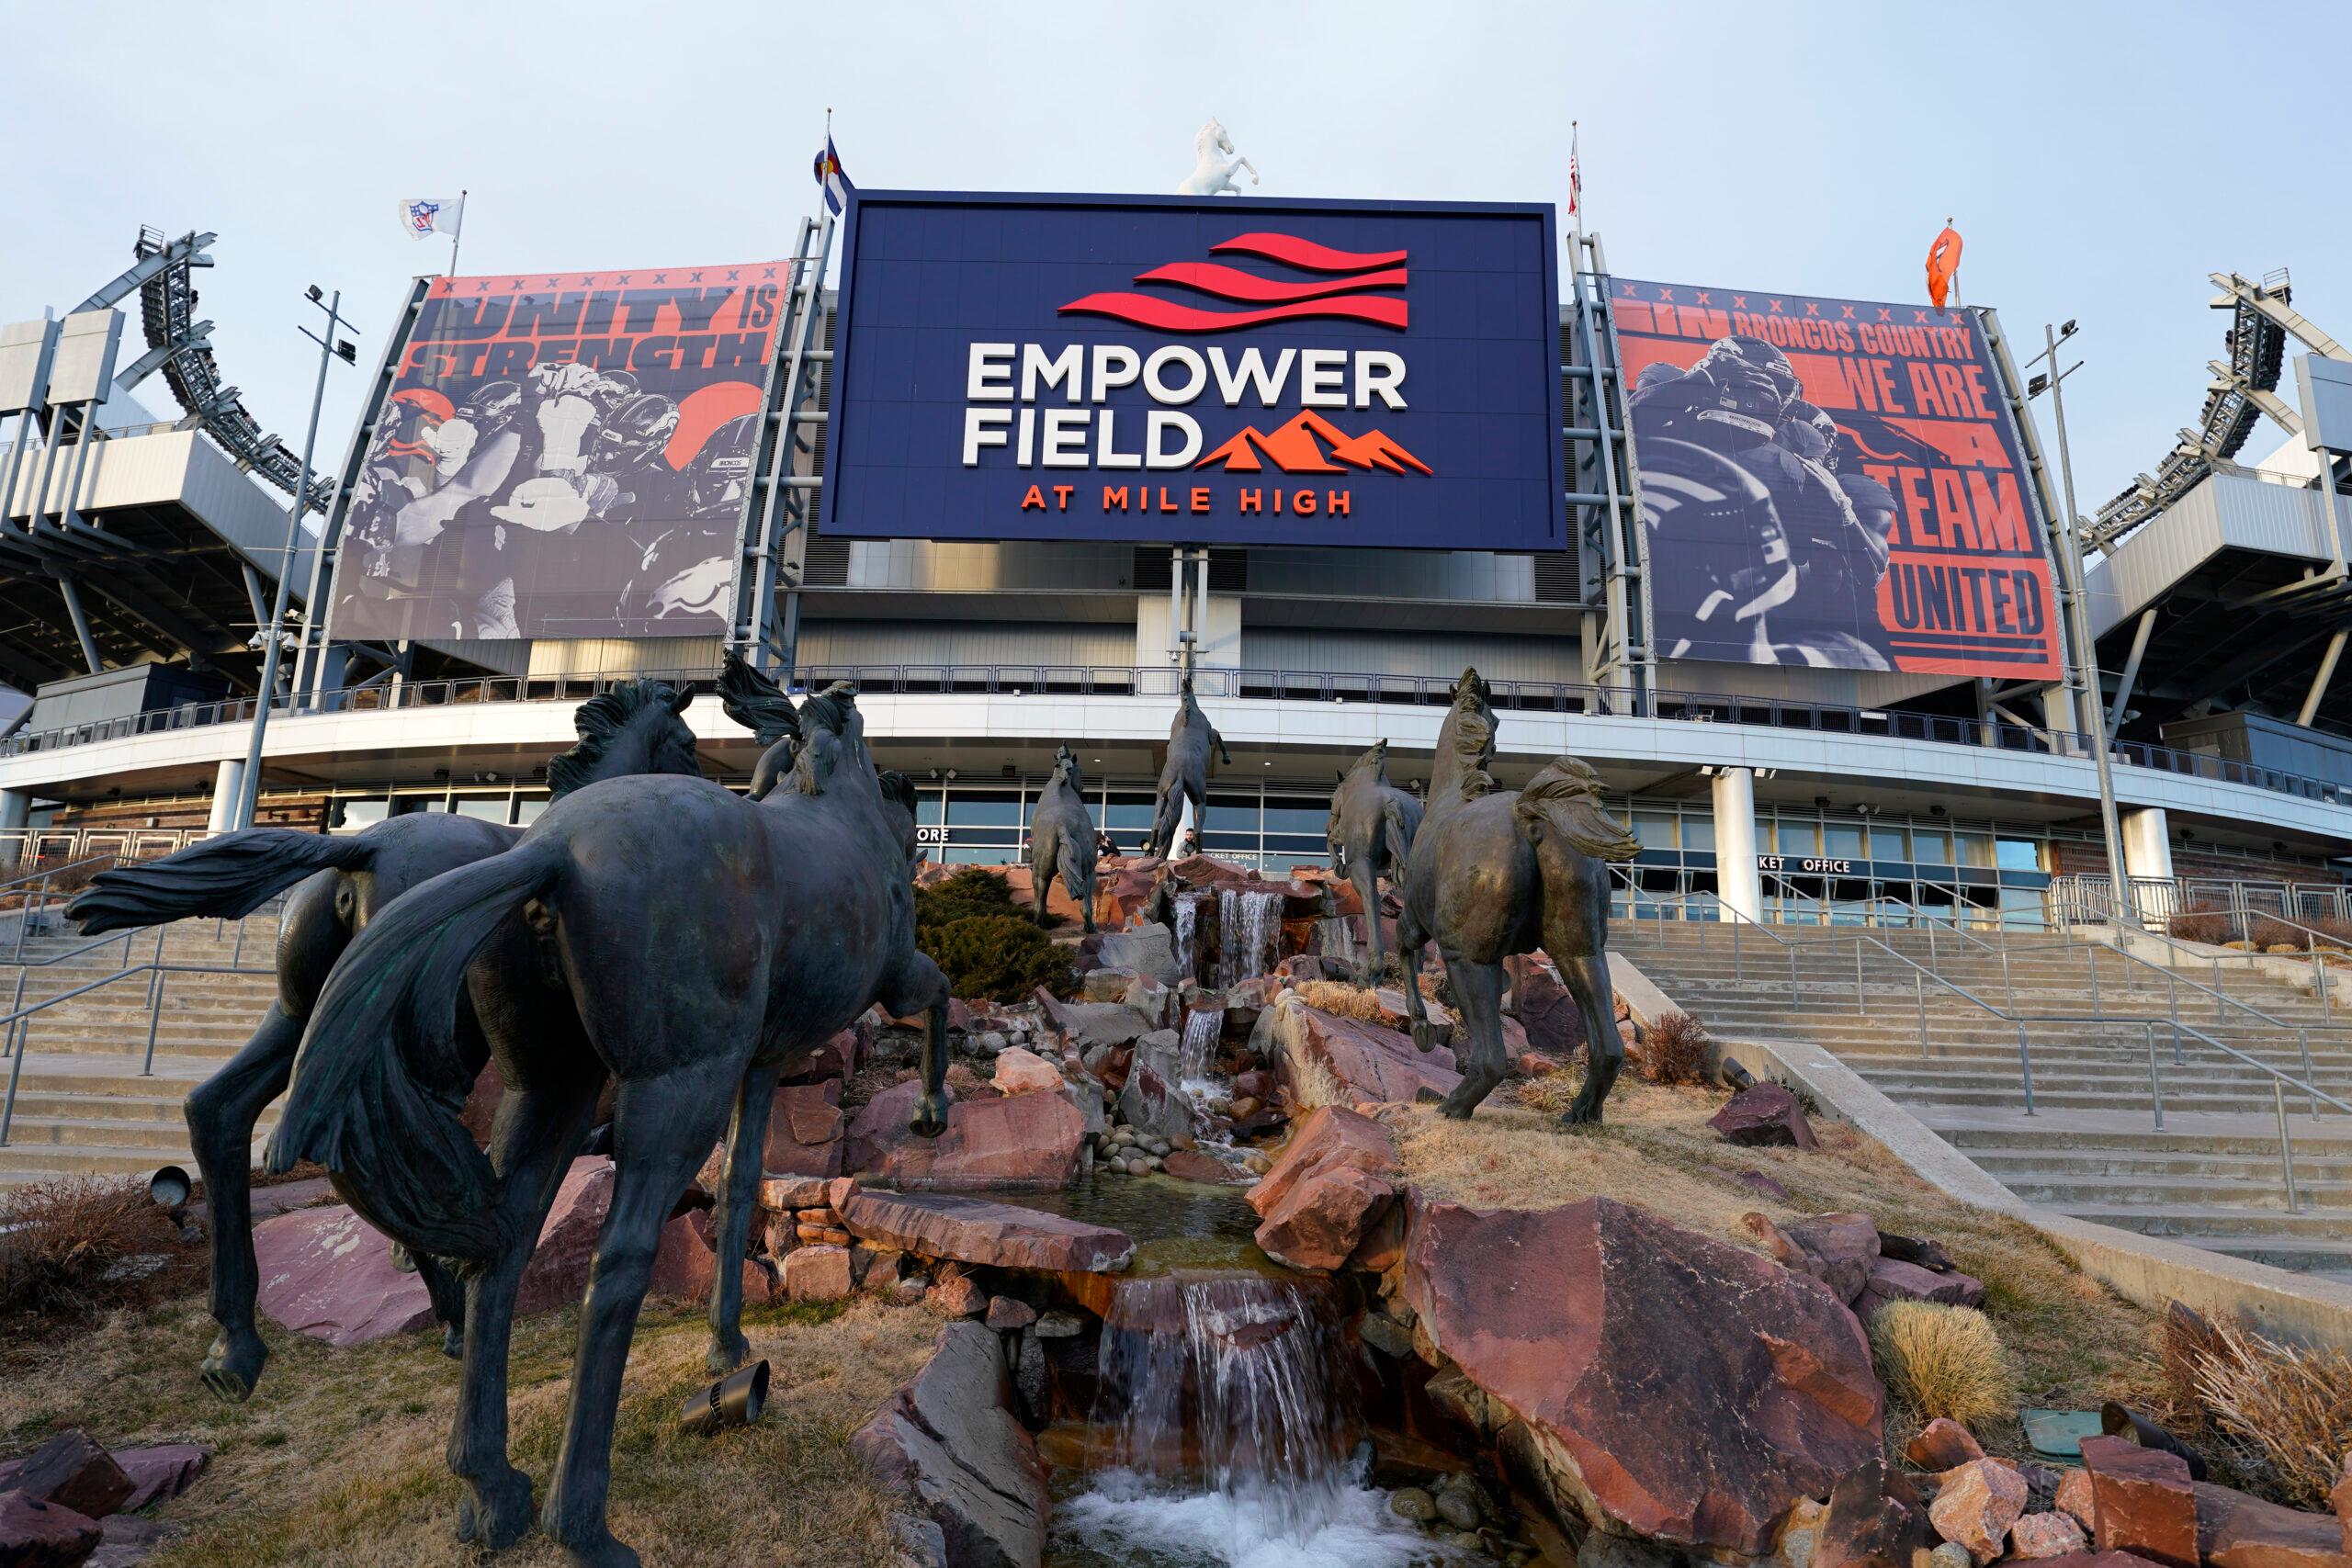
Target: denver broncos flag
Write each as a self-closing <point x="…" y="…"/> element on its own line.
<point x="1943" y="263"/>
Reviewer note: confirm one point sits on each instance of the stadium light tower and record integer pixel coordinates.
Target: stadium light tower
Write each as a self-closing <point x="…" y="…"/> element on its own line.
<point x="272" y="637"/>
<point x="2085" y="651"/>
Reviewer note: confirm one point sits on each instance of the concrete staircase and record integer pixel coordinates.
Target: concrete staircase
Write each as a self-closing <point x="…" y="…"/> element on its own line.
<point x="2212" y="1177"/>
<point x="83" y="1107"/>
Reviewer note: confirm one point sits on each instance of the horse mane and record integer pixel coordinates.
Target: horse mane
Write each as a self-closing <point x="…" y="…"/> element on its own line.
<point x="756" y="703"/>
<point x="1566" y="797"/>
<point x="600" y="722"/>
<point x="1374" y="762"/>
<point x="832" y="730"/>
<point x="1472" y="749"/>
<point x="898" y="789"/>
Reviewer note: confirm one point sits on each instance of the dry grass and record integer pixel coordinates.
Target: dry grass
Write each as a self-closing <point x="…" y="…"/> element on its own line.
<point x="2286" y="1412"/>
<point x="1338" y="998"/>
<point x="1674" y="1050"/>
<point x="2074" y="1343"/>
<point x="336" y="1462"/>
<point x="1943" y="1360"/>
<point x="61" y="1241"/>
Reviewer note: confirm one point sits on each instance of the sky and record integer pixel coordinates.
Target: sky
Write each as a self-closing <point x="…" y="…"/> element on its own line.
<point x="2100" y="160"/>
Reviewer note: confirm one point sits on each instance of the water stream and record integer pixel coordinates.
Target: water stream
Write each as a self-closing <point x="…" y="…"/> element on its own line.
<point x="1198" y="1052"/>
<point x="1250" y="927"/>
<point x="1217" y="1442"/>
<point x="1187" y="912"/>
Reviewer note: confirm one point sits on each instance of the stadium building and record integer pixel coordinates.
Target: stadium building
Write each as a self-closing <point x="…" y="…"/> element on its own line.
<point x="1789" y="570"/>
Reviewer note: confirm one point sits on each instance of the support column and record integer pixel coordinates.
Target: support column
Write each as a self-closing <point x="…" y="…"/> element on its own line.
<point x="16" y="809"/>
<point x="228" y="790"/>
<point x="1737" y="883"/>
<point x="2147" y="856"/>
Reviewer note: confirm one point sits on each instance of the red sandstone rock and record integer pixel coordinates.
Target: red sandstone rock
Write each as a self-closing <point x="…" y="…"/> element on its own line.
<point x="1681" y="1388"/>
<point x="70" y="1471"/>
<point x="1188" y="1165"/>
<point x="160" y="1470"/>
<point x="327" y="1273"/>
<point x="558" y="1272"/>
<point x="2141" y="1501"/>
<point x="973" y="1230"/>
<point x="817" y="1274"/>
<point x="839" y="1057"/>
<point x="686" y="1266"/>
<point x="1865" y="1527"/>
<point x="1329" y="1188"/>
<point x="2046" y="1535"/>
<point x="481" y="1103"/>
<point x="2234" y="1530"/>
<point x="789" y="1194"/>
<point x="1942" y="1444"/>
<point x="949" y="1441"/>
<point x="1326" y="1060"/>
<point x="1006" y="1314"/>
<point x="1756" y="1181"/>
<point x="1892" y="1280"/>
<point x="1021" y="1141"/>
<point x="1019" y="1071"/>
<point x="1764" y="1114"/>
<point x="1840" y="1250"/>
<point x="1546" y="1010"/>
<point x="805" y="1128"/>
<point x="34" y="1534"/>
<point x="1975" y="1505"/>
<point x="959" y="1296"/>
<point x="2342" y="1497"/>
<point x="2074" y="1498"/>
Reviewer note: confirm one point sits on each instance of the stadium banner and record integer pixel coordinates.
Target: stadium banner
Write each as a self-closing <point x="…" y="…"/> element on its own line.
<point x="1832" y="483"/>
<point x="562" y="455"/>
<point x="1187" y="370"/>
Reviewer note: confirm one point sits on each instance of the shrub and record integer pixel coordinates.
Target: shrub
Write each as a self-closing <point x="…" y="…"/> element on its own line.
<point x="2286" y="1411"/>
<point x="2212" y="927"/>
<point x="997" y="957"/>
<point x="1551" y="1093"/>
<point x="1674" y="1050"/>
<point x="64" y="1244"/>
<point x="1943" y="1360"/>
<point x="972" y="890"/>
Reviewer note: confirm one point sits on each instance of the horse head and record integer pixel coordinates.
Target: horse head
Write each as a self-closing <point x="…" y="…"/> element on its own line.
<point x="632" y="729"/>
<point x="1372" y="764"/>
<point x="1212" y="136"/>
<point x="1067" y="771"/>
<point x="898" y="798"/>
<point x="833" y="739"/>
<point x="1465" y="741"/>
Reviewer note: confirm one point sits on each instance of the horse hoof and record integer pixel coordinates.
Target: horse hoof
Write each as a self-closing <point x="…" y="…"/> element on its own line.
<point x="726" y="1355"/>
<point x="496" y="1512"/>
<point x="931" y="1116"/>
<point x="603" y="1552"/>
<point x="1580" y="1115"/>
<point x="1425" y="1036"/>
<point x="234" y="1365"/>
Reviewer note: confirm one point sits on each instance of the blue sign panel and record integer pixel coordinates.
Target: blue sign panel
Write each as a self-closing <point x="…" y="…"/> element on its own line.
<point x="1189" y="371"/>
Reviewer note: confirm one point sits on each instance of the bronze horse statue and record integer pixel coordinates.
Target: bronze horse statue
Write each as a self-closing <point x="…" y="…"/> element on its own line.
<point x="1061" y="839"/>
<point x="1185" y="775"/>
<point x="686" y="941"/>
<point x="1495" y="872"/>
<point x="1370" y="834"/>
<point x="345" y="882"/>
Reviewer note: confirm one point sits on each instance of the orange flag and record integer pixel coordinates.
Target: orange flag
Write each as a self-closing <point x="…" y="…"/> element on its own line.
<point x="1943" y="261"/>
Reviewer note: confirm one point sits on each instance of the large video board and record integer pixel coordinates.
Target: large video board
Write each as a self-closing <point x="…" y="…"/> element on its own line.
<point x="1196" y="371"/>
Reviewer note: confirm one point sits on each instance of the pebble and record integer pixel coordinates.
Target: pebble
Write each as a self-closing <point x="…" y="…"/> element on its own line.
<point x="1139" y="1166"/>
<point x="1181" y="1141"/>
<point x="1412" y="1503"/>
<point x="1459" y="1505"/>
<point x="1950" y="1554"/>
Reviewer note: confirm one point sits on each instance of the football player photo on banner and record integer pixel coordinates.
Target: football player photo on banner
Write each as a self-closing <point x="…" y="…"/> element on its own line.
<point x="562" y="455"/>
<point x="1832" y="483"/>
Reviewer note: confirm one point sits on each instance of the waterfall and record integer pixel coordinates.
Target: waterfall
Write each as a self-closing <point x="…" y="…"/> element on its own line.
<point x="1198" y="1052"/>
<point x="1249" y="929"/>
<point x="1186" y="908"/>
<point x="1217" y="1440"/>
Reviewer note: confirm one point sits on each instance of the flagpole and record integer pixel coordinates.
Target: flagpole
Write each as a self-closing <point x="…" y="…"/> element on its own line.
<point x="458" y="233"/>
<point x="1575" y="193"/>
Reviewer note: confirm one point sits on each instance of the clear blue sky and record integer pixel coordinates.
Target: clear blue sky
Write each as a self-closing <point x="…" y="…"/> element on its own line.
<point x="2099" y="160"/>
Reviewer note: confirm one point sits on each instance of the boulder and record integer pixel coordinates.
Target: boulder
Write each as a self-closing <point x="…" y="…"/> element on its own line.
<point x="1892" y="1280"/>
<point x="949" y="1440"/>
<point x="1866" y="1525"/>
<point x="2141" y="1501"/>
<point x="2074" y="1498"/>
<point x="1324" y="1059"/>
<point x="1025" y="1072"/>
<point x="686" y="1266"/>
<point x="1191" y="1165"/>
<point x="2234" y="1530"/>
<point x="1152" y="1101"/>
<point x="2341" y="1496"/>
<point x="72" y="1471"/>
<point x="558" y="1272"/>
<point x="959" y="1296"/>
<point x="125" y="1540"/>
<point x="1028" y="1141"/>
<point x="1088" y="1025"/>
<point x="1975" y="1505"/>
<point x="1839" y="1251"/>
<point x="1148" y="950"/>
<point x="34" y="1534"/>
<point x="790" y="1194"/>
<point x="328" y="1273"/>
<point x="1394" y="1015"/>
<point x="1764" y="1115"/>
<point x="1758" y="1182"/>
<point x="160" y="1470"/>
<point x="839" y="1057"/>
<point x="1545" y="1009"/>
<point x="2038" y="1536"/>
<point x="805" y="1129"/>
<point x="1674" y="1386"/>
<point x="1329" y="1190"/>
<point x="973" y="1230"/>
<point x="1006" y="1314"/>
<point x="818" y="1274"/>
<point x="481" y="1104"/>
<point x="1942" y="1444"/>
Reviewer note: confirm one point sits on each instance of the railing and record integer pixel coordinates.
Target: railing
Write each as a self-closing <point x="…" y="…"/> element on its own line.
<point x="1831" y="942"/>
<point x="1290" y="686"/>
<point x="16" y="1026"/>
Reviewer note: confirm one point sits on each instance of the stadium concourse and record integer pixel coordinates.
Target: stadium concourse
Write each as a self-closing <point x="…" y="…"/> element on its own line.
<point x="1789" y="570"/>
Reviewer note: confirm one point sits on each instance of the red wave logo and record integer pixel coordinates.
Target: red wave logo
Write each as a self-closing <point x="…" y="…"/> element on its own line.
<point x="1298" y="447"/>
<point x="1342" y="294"/>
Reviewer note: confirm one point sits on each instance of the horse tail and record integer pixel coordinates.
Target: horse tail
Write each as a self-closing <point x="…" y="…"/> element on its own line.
<point x="1072" y="867"/>
<point x="229" y="877"/>
<point x="380" y="1076"/>
<point x="1399" y="845"/>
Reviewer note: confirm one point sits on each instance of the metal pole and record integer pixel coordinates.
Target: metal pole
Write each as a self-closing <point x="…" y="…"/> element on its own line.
<point x="2025" y="1068"/>
<point x="249" y="800"/>
<point x="1920" y="989"/>
<point x="1859" y="1006"/>
<point x="2304" y="1044"/>
<point x="155" y="1017"/>
<point x="2156" y="1085"/>
<point x="2285" y="1143"/>
<point x="2093" y="713"/>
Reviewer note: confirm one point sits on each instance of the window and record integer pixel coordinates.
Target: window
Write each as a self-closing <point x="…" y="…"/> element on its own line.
<point x="1976" y="849"/>
<point x="1798" y="838"/>
<point x="1698" y="832"/>
<point x="1931" y="846"/>
<point x="1890" y="842"/>
<point x="2017" y="854"/>
<point x="984" y="808"/>
<point x="526" y="811"/>
<point x="356" y="814"/>
<point x="1842" y="839"/>
<point x="1655" y="829"/>
<point x="485" y="807"/>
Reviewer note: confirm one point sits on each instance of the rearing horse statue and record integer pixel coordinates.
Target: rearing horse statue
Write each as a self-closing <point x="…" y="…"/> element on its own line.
<point x="1061" y="839"/>
<point x="1370" y="834"/>
<point x="1495" y="872"/>
<point x="1185" y="775"/>
<point x="1211" y="173"/>
<point x="694" y="942"/>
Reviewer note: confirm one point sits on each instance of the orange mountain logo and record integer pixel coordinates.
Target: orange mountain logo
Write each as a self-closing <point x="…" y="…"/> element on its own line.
<point x="1309" y="443"/>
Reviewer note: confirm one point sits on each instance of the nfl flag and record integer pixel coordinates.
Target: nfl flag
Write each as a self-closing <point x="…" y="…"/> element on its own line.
<point x="828" y="172"/>
<point x="423" y="216"/>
